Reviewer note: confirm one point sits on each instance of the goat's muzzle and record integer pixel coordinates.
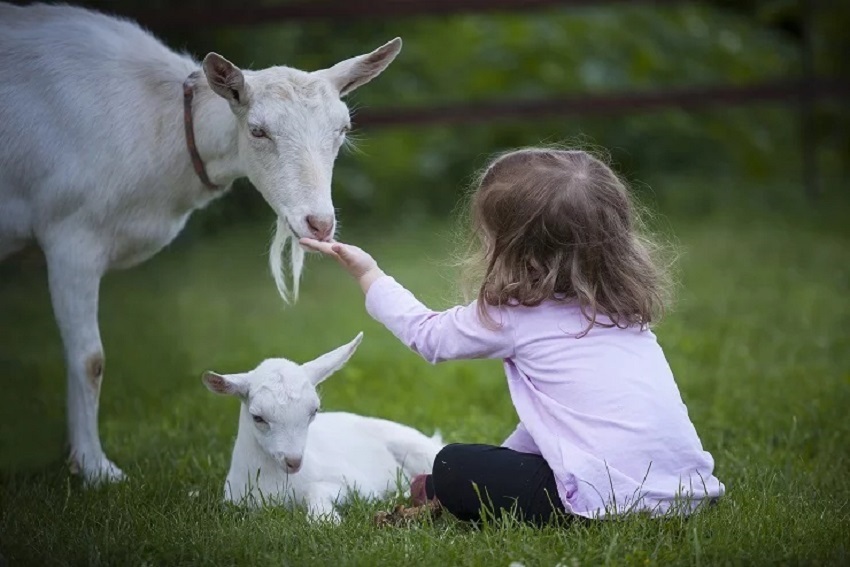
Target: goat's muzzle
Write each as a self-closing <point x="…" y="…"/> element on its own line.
<point x="293" y="465"/>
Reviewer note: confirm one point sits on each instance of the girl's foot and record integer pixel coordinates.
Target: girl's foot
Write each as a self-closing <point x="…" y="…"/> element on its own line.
<point x="419" y="489"/>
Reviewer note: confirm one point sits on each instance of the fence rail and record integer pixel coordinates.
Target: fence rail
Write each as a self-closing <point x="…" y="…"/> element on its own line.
<point x="617" y="103"/>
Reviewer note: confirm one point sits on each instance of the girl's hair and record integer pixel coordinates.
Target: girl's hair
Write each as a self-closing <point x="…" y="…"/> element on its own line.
<point x="559" y="224"/>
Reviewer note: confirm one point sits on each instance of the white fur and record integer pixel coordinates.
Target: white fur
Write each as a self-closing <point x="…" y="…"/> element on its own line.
<point x="297" y="456"/>
<point x="94" y="165"/>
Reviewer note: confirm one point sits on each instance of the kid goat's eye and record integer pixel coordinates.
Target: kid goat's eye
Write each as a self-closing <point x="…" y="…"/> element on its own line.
<point x="344" y="130"/>
<point x="258" y="419"/>
<point x="258" y="132"/>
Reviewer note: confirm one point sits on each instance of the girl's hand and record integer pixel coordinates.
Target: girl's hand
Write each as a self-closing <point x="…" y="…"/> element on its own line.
<point x="358" y="263"/>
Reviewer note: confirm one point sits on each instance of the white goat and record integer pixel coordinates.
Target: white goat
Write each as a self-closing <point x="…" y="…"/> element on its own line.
<point x="109" y="141"/>
<point x="334" y="454"/>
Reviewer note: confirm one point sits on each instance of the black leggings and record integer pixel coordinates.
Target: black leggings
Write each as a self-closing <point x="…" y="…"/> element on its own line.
<point x="518" y="483"/>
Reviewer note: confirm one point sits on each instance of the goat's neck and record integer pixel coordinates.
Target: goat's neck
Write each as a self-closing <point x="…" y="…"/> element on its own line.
<point x="216" y="133"/>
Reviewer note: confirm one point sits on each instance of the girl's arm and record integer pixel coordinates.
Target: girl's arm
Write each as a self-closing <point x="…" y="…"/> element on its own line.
<point x="453" y="334"/>
<point x="436" y="336"/>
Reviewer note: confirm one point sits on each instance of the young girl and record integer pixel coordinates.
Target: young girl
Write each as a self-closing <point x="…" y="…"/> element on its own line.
<point x="567" y="294"/>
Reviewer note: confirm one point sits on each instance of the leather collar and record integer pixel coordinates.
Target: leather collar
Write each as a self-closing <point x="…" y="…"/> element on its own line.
<point x="197" y="162"/>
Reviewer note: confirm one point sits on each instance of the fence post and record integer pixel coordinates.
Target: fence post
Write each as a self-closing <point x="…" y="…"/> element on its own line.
<point x="808" y="133"/>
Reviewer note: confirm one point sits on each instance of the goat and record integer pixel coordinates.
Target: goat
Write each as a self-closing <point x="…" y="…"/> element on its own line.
<point x="287" y="452"/>
<point x="109" y="141"/>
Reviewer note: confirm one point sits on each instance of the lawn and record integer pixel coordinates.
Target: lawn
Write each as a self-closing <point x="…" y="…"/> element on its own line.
<point x="759" y="342"/>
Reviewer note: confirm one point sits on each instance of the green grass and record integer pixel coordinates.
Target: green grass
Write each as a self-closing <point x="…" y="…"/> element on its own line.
<point x="759" y="342"/>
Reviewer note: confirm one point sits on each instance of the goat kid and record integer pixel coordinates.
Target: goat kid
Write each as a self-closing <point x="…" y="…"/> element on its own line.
<point x="109" y="141"/>
<point x="288" y="453"/>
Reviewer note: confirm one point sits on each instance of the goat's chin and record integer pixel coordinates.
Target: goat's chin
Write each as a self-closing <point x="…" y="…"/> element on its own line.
<point x="284" y="235"/>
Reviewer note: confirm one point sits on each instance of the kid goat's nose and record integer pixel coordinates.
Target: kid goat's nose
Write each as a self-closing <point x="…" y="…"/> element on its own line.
<point x="321" y="226"/>
<point x="293" y="463"/>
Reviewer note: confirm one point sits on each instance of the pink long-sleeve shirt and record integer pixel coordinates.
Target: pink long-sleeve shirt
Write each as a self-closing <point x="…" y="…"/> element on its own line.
<point x="603" y="409"/>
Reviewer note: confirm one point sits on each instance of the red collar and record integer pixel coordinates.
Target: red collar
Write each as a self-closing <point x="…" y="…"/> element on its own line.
<point x="197" y="163"/>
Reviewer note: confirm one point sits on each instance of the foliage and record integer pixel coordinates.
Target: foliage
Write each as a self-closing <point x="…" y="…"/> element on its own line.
<point x="758" y="343"/>
<point x="543" y="54"/>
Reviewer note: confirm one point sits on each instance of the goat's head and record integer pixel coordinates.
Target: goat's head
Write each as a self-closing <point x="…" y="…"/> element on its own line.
<point x="280" y="398"/>
<point x="291" y="125"/>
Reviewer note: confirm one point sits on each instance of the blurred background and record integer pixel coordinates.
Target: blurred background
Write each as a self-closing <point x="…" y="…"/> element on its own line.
<point x="701" y="104"/>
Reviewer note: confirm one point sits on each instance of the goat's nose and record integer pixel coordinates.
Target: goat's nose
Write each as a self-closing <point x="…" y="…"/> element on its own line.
<point x="322" y="226"/>
<point x="293" y="463"/>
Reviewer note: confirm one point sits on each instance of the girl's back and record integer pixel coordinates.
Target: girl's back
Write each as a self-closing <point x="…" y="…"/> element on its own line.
<point x="611" y="391"/>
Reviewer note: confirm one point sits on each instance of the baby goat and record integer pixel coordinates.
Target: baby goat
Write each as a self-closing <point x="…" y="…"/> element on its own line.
<point x="288" y="453"/>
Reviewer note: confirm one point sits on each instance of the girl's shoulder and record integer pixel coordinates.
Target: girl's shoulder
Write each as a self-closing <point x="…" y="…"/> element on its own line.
<point x="554" y="306"/>
<point x="554" y="310"/>
<point x="567" y="316"/>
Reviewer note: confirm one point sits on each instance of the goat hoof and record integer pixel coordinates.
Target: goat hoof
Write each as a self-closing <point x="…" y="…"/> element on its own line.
<point x="96" y="471"/>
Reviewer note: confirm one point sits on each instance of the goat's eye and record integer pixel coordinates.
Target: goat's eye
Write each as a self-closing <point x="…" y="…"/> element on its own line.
<point x="344" y="130"/>
<point x="258" y="132"/>
<point x="313" y="413"/>
<point x="257" y="419"/>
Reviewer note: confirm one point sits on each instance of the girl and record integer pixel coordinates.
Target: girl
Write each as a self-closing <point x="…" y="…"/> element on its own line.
<point x="565" y="300"/>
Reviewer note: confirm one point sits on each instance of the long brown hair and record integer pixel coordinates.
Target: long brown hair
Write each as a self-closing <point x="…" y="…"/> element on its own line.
<point x="560" y="225"/>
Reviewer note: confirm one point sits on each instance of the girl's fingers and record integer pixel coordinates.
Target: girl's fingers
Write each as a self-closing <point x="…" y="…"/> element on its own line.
<point x="343" y="254"/>
<point x="308" y="243"/>
<point x="344" y="251"/>
<point x="316" y="245"/>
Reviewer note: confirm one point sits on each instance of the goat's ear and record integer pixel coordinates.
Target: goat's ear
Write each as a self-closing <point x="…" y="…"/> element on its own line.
<point x="228" y="384"/>
<point x="349" y="74"/>
<point x="225" y="79"/>
<point x="321" y="368"/>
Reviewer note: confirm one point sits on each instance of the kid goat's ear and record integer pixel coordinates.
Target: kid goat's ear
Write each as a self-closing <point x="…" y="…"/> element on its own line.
<point x="227" y="384"/>
<point x="321" y="368"/>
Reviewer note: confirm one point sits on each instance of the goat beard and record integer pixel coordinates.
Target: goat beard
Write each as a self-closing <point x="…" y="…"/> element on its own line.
<point x="278" y="253"/>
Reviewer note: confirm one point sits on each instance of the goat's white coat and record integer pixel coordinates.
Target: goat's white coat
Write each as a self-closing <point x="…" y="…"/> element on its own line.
<point x="94" y="165"/>
<point x="334" y="456"/>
